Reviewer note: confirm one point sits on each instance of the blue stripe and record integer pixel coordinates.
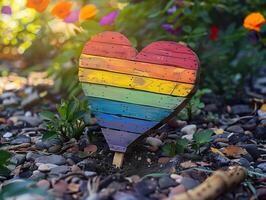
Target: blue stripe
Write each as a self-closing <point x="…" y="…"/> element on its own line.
<point x="128" y="110"/>
<point x="123" y="123"/>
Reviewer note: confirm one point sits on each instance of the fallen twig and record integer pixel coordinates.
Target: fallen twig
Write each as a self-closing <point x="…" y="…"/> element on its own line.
<point x="212" y="187"/>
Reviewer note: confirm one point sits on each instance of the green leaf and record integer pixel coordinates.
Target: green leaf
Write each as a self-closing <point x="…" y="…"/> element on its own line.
<point x="181" y="144"/>
<point x="203" y="137"/>
<point x="47" y="115"/>
<point x="49" y="135"/>
<point x="4" y="156"/>
<point x="4" y="171"/>
<point x="169" y="149"/>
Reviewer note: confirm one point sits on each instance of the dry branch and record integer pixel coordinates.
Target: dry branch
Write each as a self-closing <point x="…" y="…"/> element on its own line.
<point x="215" y="185"/>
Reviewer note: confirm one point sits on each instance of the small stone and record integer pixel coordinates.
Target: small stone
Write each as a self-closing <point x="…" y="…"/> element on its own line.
<point x="75" y="168"/>
<point x="189" y="183"/>
<point x="154" y="141"/>
<point x="252" y="149"/>
<point x="163" y="160"/>
<point x="44" y="168"/>
<point x="250" y="125"/>
<point x="21" y="139"/>
<point x="219" y="160"/>
<point x="43" y="183"/>
<point x="89" y="173"/>
<point x="262" y="166"/>
<point x="244" y="162"/>
<point x="176" y="177"/>
<point x="260" y="133"/>
<point x="177" y="190"/>
<point x="31" y="100"/>
<point x="10" y="102"/>
<point x="235" y="129"/>
<point x="123" y="196"/>
<point x="19" y="159"/>
<point x="166" y="182"/>
<point x="241" y="109"/>
<point x="60" y="170"/>
<point x="33" y="121"/>
<point x="189" y="129"/>
<point x="145" y="187"/>
<point x="8" y="135"/>
<point x="54" y="149"/>
<point x="52" y="159"/>
<point x="261" y="114"/>
<point x="91" y="148"/>
<point x="37" y="175"/>
<point x="176" y="123"/>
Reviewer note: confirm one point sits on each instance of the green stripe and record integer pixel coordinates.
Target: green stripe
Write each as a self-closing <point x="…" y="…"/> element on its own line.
<point x="132" y="96"/>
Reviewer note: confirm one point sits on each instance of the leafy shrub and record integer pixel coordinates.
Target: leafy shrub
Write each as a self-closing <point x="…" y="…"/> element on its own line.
<point x="69" y="122"/>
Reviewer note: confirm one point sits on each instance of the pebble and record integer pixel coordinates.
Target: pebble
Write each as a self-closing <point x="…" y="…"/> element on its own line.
<point x="219" y="160"/>
<point x="176" y="177"/>
<point x="189" y="183"/>
<point x="155" y="142"/>
<point x="177" y="190"/>
<point x="8" y="135"/>
<point x="43" y="183"/>
<point x="260" y="133"/>
<point x="189" y="129"/>
<point x="262" y="166"/>
<point x="176" y="123"/>
<point x="44" y="168"/>
<point x="33" y="121"/>
<point x="250" y="125"/>
<point x="123" y="196"/>
<point x="46" y="144"/>
<point x="166" y="182"/>
<point x="89" y="173"/>
<point x="30" y="100"/>
<point x="10" y="102"/>
<point x="145" y="187"/>
<point x="19" y="158"/>
<point x="252" y="149"/>
<point x="60" y="170"/>
<point x="21" y="139"/>
<point x="52" y="159"/>
<point x="261" y="114"/>
<point x="241" y="109"/>
<point x="235" y="129"/>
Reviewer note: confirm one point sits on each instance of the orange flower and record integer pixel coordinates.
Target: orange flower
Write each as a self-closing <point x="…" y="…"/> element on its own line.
<point x="62" y="9"/>
<point x="38" y="5"/>
<point x="254" y="21"/>
<point x="88" y="12"/>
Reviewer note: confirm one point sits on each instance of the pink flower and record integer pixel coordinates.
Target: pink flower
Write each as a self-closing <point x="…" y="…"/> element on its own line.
<point x="109" y="19"/>
<point x="6" y="10"/>
<point x="72" y="17"/>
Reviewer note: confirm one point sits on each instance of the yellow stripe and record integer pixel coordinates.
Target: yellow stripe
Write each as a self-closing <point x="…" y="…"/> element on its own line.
<point x="134" y="82"/>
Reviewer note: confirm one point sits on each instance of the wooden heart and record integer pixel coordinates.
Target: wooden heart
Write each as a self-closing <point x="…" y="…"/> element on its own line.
<point x="132" y="93"/>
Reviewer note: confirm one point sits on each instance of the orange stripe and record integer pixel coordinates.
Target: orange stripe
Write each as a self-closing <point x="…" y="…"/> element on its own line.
<point x="138" y="68"/>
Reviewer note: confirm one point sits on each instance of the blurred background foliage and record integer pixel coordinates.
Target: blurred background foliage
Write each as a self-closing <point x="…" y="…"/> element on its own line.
<point x="212" y="28"/>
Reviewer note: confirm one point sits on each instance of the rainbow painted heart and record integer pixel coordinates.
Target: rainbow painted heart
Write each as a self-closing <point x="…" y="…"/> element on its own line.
<point x="132" y="93"/>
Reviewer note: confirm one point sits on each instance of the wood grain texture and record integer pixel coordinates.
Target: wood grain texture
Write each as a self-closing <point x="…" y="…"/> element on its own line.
<point x="127" y="110"/>
<point x="132" y="96"/>
<point x="123" y="123"/>
<point x="135" y="82"/>
<point x="109" y="50"/>
<point x="163" y="72"/>
<point x="110" y="38"/>
<point x="169" y="53"/>
<point x="118" y="140"/>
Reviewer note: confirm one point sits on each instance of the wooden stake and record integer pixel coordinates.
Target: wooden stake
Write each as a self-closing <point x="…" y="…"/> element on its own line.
<point x="118" y="159"/>
<point x="217" y="184"/>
